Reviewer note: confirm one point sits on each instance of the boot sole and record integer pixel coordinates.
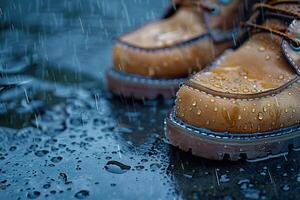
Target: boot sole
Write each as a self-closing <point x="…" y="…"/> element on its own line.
<point x="140" y="87"/>
<point x="225" y="146"/>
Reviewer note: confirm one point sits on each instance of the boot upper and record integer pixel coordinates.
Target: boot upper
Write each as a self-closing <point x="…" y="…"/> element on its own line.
<point x="254" y="88"/>
<point x="180" y="43"/>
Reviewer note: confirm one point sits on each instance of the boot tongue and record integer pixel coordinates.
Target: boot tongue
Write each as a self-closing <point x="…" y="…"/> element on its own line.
<point x="223" y="23"/>
<point x="289" y="10"/>
<point x="273" y="17"/>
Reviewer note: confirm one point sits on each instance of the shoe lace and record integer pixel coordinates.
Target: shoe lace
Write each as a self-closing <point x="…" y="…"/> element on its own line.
<point x="271" y="7"/>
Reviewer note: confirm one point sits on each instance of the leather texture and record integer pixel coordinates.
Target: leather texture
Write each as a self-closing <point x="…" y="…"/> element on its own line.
<point x="253" y="89"/>
<point x="172" y="47"/>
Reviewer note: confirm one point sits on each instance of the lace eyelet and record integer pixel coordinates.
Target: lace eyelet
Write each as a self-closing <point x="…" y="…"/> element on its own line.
<point x="215" y="10"/>
<point x="296" y="48"/>
<point x="225" y="2"/>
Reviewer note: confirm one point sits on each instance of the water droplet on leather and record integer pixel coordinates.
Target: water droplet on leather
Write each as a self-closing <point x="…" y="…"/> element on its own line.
<point x="217" y="85"/>
<point x="260" y="116"/>
<point x="199" y="112"/>
<point x="261" y="48"/>
<point x="281" y="77"/>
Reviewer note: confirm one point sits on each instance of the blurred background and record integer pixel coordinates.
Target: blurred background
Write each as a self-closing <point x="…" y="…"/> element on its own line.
<point x="63" y="136"/>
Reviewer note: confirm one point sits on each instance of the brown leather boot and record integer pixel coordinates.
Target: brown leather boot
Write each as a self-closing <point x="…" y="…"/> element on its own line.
<point x="152" y="60"/>
<point x="246" y="104"/>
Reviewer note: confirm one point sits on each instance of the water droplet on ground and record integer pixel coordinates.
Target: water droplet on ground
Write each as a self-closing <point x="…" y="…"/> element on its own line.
<point x="33" y="195"/>
<point x="41" y="153"/>
<point x="155" y="166"/>
<point x="116" y="167"/>
<point x="298" y="178"/>
<point x="47" y="185"/>
<point x="56" y="159"/>
<point x="224" y="178"/>
<point x="82" y="194"/>
<point x="286" y="188"/>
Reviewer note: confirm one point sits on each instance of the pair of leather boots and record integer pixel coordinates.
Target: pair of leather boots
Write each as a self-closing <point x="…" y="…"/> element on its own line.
<point x="243" y="102"/>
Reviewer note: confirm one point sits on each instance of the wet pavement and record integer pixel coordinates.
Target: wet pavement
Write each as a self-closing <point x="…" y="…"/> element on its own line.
<point x="63" y="136"/>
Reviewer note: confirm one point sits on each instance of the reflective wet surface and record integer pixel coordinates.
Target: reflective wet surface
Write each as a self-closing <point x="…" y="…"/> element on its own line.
<point x="63" y="136"/>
